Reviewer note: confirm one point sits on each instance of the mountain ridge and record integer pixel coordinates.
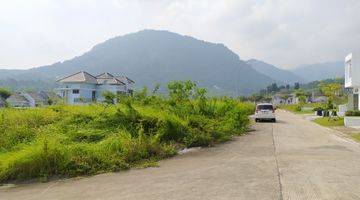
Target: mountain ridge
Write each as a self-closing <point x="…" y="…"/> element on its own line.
<point x="281" y="75"/>
<point x="159" y="56"/>
<point x="320" y="71"/>
<point x="152" y="56"/>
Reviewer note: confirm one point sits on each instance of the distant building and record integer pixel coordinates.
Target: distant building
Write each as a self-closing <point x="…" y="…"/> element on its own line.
<point x="40" y="98"/>
<point x="284" y="99"/>
<point x="20" y="99"/>
<point x="83" y="87"/>
<point x="28" y="99"/>
<point x="277" y="100"/>
<point x="292" y="99"/>
<point x="319" y="99"/>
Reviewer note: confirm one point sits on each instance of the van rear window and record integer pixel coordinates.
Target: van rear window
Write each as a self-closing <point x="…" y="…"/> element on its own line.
<point x="265" y="107"/>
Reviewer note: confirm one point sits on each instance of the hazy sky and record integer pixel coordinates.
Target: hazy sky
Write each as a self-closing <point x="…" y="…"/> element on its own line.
<point x="285" y="33"/>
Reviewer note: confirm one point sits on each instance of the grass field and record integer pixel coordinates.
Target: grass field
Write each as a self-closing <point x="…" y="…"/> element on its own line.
<point x="356" y="137"/>
<point x="68" y="141"/>
<point x="305" y="109"/>
<point x="329" y="122"/>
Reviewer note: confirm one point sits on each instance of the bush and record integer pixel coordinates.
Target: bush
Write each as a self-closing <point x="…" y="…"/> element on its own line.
<point x="4" y="93"/>
<point x="66" y="140"/>
<point x="352" y="113"/>
<point x="318" y="109"/>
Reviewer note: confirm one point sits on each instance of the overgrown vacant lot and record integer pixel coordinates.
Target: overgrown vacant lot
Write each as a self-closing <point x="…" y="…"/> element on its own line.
<point x="68" y="141"/>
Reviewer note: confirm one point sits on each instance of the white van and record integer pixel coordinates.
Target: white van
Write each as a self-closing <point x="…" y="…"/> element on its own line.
<point x="265" y="111"/>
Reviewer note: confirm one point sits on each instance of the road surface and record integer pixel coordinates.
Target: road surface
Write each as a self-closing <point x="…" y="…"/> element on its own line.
<point x="292" y="159"/>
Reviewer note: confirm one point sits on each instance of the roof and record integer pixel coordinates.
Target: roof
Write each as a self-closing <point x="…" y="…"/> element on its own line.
<point x="264" y="104"/>
<point x="17" y="97"/>
<point x="125" y="79"/>
<point x="38" y="96"/>
<point x="104" y="78"/>
<point x="53" y="95"/>
<point x="107" y="78"/>
<point x="80" y="77"/>
<point x="105" y="75"/>
<point x="111" y="81"/>
<point x="277" y="97"/>
<point x="321" y="97"/>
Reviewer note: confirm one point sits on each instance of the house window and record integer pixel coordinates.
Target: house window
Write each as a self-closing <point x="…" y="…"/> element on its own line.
<point x="93" y="96"/>
<point x="76" y="91"/>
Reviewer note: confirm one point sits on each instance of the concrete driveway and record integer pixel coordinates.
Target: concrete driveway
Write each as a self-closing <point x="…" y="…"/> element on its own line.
<point x="292" y="159"/>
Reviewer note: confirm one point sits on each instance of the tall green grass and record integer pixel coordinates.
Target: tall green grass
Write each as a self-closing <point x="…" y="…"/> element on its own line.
<point x="330" y="122"/>
<point x="67" y="140"/>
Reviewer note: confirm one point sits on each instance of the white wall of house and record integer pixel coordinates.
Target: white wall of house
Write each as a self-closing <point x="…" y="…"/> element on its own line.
<point x="111" y="88"/>
<point x="277" y="101"/>
<point x="71" y="96"/>
<point x="86" y="91"/>
<point x="352" y="76"/>
<point x="352" y="70"/>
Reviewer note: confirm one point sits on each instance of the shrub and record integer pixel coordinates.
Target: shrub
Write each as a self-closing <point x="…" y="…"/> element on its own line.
<point x="352" y="113"/>
<point x="66" y="140"/>
<point x="4" y="93"/>
<point x="318" y="109"/>
<point x="109" y="97"/>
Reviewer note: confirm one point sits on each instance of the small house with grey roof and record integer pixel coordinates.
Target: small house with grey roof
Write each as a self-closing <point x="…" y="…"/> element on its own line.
<point x="82" y="87"/>
<point x="28" y="99"/>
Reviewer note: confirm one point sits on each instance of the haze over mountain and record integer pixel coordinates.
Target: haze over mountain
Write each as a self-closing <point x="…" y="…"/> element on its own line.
<point x="280" y="75"/>
<point x="152" y="56"/>
<point x="320" y="71"/>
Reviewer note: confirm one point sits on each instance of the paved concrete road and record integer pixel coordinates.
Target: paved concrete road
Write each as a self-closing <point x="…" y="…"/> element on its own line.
<point x="292" y="159"/>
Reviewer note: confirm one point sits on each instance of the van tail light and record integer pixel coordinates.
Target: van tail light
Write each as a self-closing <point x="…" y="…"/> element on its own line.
<point x="257" y="110"/>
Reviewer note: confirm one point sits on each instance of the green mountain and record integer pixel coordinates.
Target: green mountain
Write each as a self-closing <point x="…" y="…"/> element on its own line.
<point x="280" y="75"/>
<point x="320" y="71"/>
<point x="152" y="56"/>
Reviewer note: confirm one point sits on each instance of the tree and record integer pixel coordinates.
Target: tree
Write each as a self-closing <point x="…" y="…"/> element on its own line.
<point x="109" y="97"/>
<point x="272" y="88"/>
<point x="285" y="97"/>
<point x="142" y="94"/>
<point x="330" y="90"/>
<point x="200" y="93"/>
<point x="301" y="95"/>
<point x="181" y="90"/>
<point x="4" y="93"/>
<point x="256" y="97"/>
<point x="297" y="86"/>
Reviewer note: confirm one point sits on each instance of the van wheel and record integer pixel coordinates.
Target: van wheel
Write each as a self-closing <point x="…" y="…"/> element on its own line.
<point x="256" y="120"/>
<point x="274" y="120"/>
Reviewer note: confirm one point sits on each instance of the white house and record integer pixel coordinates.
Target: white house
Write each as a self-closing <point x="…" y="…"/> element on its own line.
<point x="292" y="99"/>
<point x="285" y="99"/>
<point x="319" y="99"/>
<point x="21" y="99"/>
<point x="83" y="87"/>
<point x="352" y="79"/>
<point x="28" y="99"/>
<point x="277" y="100"/>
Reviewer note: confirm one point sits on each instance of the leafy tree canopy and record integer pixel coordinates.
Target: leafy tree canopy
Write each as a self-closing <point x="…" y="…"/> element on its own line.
<point x="4" y="93"/>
